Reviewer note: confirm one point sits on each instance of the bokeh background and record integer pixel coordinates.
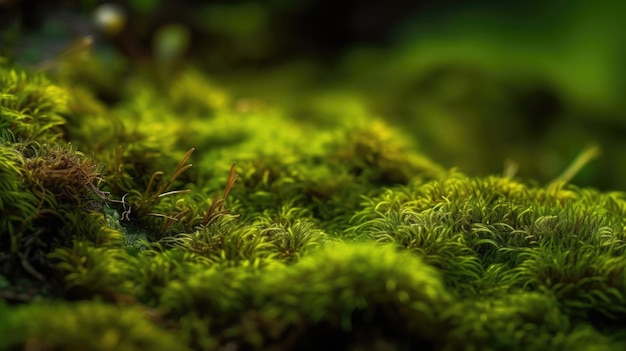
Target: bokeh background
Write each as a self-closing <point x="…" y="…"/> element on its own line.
<point x="478" y="85"/>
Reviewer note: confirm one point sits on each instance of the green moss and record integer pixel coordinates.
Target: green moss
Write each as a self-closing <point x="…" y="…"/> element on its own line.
<point x="519" y="320"/>
<point x="346" y="290"/>
<point x="18" y="207"/>
<point x="90" y="271"/>
<point x="83" y="325"/>
<point x="191" y="93"/>
<point x="31" y="107"/>
<point x="331" y="229"/>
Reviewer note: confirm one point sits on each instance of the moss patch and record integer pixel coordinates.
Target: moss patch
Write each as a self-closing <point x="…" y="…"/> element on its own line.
<point x="126" y="226"/>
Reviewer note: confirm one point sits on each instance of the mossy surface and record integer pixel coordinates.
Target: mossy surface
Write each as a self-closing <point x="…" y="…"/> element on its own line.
<point x="126" y="226"/>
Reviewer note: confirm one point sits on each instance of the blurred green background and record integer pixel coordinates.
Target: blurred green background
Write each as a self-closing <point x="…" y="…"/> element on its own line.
<point x="476" y="84"/>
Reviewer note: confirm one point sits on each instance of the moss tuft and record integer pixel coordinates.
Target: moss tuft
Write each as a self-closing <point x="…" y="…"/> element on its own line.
<point x="83" y="325"/>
